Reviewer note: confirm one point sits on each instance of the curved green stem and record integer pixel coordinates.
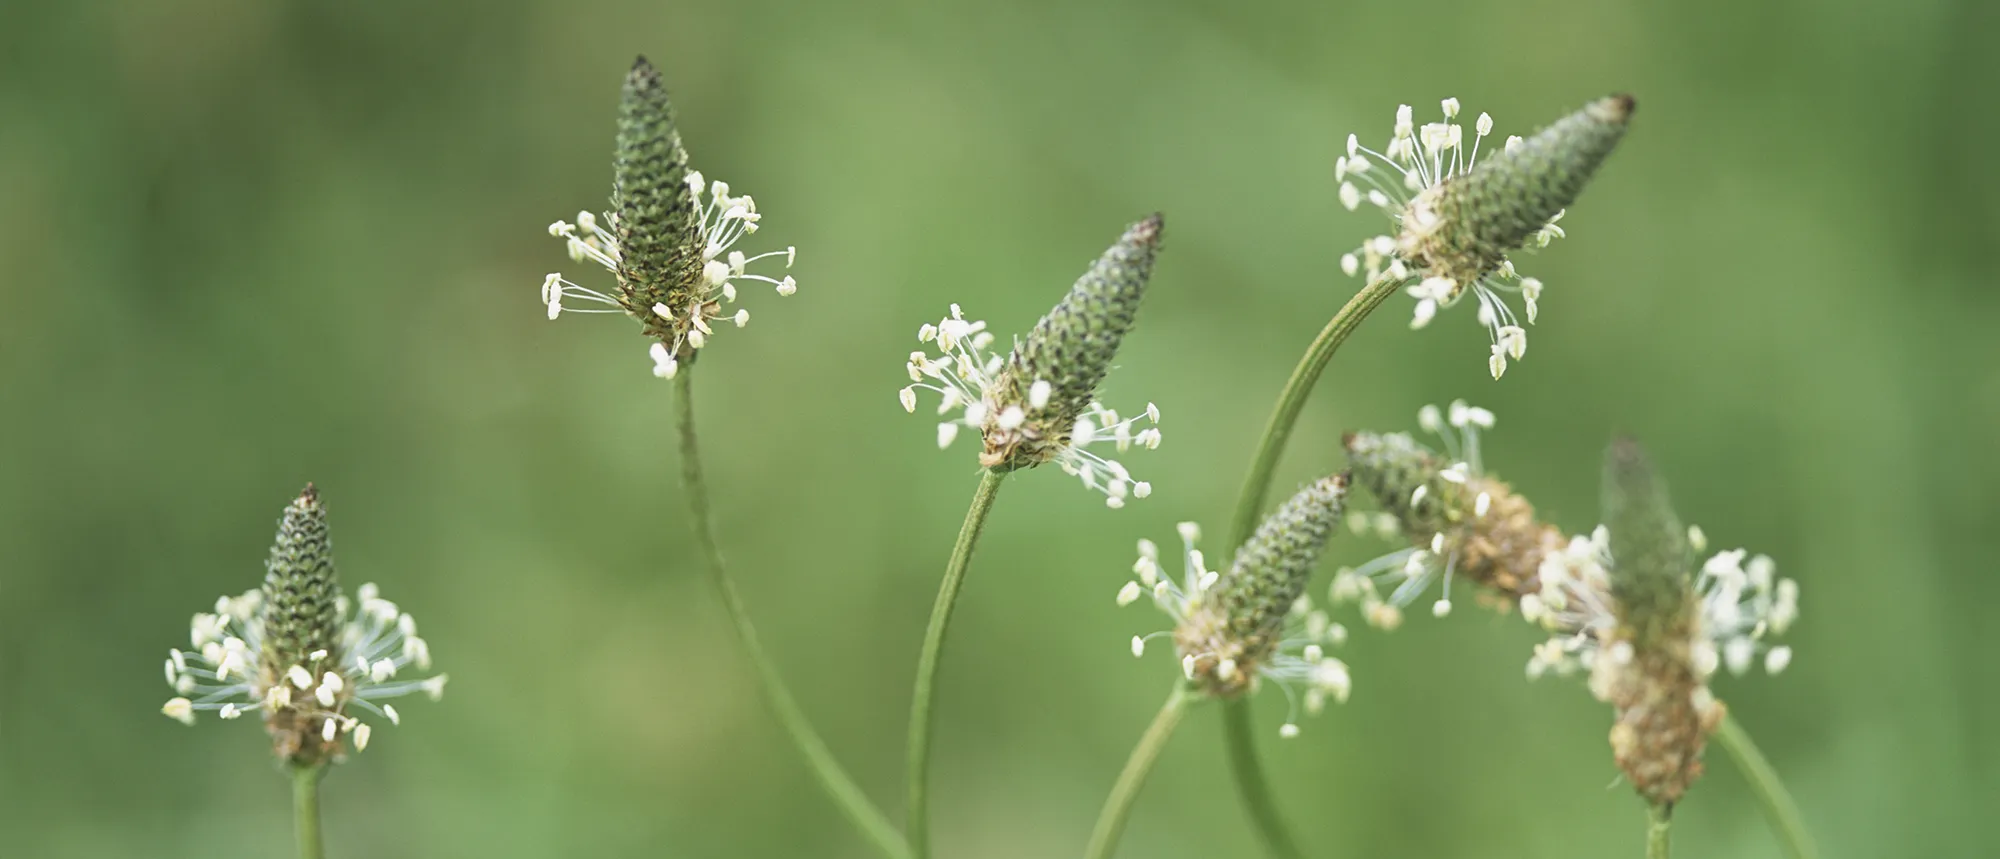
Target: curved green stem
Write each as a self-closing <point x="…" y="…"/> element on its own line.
<point x="1771" y="794"/>
<point x="846" y="794"/>
<point x="1658" y="820"/>
<point x="1243" y="763"/>
<point x="1298" y="388"/>
<point x="1118" y="805"/>
<point x="1251" y="783"/>
<point x="923" y="696"/>
<point x="305" y="810"/>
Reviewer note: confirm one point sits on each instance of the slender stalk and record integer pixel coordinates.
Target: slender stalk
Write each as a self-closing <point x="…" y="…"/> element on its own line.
<point x="1243" y="763"/>
<point x="846" y="794"/>
<point x="1778" y="805"/>
<point x="1251" y="783"/>
<point x="1658" y="820"/>
<point x="1285" y="415"/>
<point x="1118" y="805"/>
<point x="305" y="810"/>
<point x="922" y="697"/>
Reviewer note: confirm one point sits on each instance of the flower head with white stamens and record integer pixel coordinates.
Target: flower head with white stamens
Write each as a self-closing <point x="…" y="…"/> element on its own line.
<point x="1038" y="403"/>
<point x="670" y="238"/>
<point x="1252" y="621"/>
<point x="1625" y="606"/>
<point x="1457" y="519"/>
<point x="1455" y="218"/>
<point x="297" y="652"/>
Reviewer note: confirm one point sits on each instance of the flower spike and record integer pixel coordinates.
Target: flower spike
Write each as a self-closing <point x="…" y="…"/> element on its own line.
<point x="1038" y="403"/>
<point x="669" y="238"/>
<point x="1457" y="219"/>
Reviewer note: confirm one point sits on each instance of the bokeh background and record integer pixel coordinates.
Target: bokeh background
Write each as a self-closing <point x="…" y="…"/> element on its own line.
<point x="245" y="244"/>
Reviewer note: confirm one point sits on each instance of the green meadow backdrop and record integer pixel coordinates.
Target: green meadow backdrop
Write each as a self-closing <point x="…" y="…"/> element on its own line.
<point x="246" y="244"/>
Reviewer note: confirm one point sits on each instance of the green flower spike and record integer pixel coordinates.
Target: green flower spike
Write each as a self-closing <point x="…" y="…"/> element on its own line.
<point x="668" y="238"/>
<point x="1630" y="605"/>
<point x="1458" y="519"/>
<point x="1456" y="218"/>
<point x="1253" y="621"/>
<point x="293" y="652"/>
<point x="1039" y="403"/>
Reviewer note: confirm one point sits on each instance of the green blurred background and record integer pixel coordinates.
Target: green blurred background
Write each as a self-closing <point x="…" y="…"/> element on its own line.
<point x="246" y="244"/>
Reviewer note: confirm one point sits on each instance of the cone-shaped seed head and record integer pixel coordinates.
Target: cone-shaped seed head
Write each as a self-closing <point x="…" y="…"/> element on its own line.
<point x="658" y="235"/>
<point x="1501" y="549"/>
<point x="1463" y="228"/>
<point x="1073" y="346"/>
<point x="1243" y="618"/>
<point x="301" y="591"/>
<point x="1649" y="551"/>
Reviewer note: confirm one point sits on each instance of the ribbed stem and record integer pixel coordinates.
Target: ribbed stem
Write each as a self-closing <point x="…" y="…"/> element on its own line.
<point x="1285" y="415"/>
<point x="305" y="810"/>
<point x="846" y="794"/>
<point x="1771" y="794"/>
<point x="1243" y="763"/>
<point x="1251" y="783"/>
<point x="923" y="695"/>
<point x="1659" y="819"/>
<point x="1118" y="805"/>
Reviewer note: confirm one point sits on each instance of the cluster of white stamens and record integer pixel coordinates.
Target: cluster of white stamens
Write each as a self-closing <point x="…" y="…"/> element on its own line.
<point x="1299" y="659"/>
<point x="1412" y="570"/>
<point x="223" y="671"/>
<point x="724" y="220"/>
<point x="1421" y="159"/>
<point x="1742" y="603"/>
<point x="967" y="375"/>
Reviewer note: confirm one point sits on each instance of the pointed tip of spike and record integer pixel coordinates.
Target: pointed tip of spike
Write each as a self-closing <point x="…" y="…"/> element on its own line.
<point x="1147" y="231"/>
<point x="644" y="75"/>
<point x="1618" y="107"/>
<point x="310" y="494"/>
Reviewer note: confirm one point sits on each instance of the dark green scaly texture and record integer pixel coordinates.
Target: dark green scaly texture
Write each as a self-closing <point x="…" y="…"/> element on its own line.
<point x="1649" y="549"/>
<point x="1391" y="467"/>
<point x="1509" y="196"/>
<point x="1072" y="347"/>
<point x="1270" y="572"/>
<point x="658" y="236"/>
<point x="300" y="588"/>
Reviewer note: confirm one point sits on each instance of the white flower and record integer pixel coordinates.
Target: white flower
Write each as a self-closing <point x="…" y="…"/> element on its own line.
<point x="1742" y="605"/>
<point x="968" y="375"/>
<point x="1299" y="660"/>
<point x="724" y="220"/>
<point x="1416" y="160"/>
<point x="222" y="671"/>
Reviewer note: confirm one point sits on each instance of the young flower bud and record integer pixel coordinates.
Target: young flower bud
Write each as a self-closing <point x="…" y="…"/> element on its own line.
<point x="1650" y="580"/>
<point x="301" y="590"/>
<point x="1456" y="218"/>
<point x="1233" y="629"/>
<point x="658" y="237"/>
<point x="1463" y="228"/>
<point x="1038" y="404"/>
<point x="1072" y="347"/>
<point x="293" y="651"/>
<point x="668" y="238"/>
<point x="1458" y="519"/>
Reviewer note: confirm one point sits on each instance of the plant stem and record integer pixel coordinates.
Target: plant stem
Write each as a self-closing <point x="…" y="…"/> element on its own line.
<point x="305" y="810"/>
<point x="1250" y="782"/>
<point x="846" y="794"/>
<point x="1285" y="415"/>
<point x="922" y="697"/>
<point x="1118" y="805"/>
<point x="1778" y="805"/>
<point x="1658" y="819"/>
<point x="1243" y="763"/>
